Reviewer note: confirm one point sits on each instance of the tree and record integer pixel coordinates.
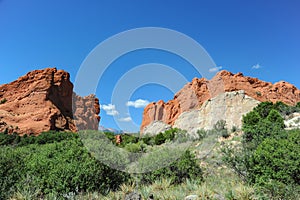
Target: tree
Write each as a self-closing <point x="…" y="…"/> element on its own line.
<point x="250" y="125"/>
<point x="277" y="159"/>
<point x="275" y="117"/>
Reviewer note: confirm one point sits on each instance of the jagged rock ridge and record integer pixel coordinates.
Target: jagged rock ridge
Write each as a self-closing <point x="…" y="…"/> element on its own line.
<point x="44" y="100"/>
<point x="194" y="94"/>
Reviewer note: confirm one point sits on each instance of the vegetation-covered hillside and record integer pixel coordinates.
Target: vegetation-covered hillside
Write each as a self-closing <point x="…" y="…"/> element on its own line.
<point x="261" y="161"/>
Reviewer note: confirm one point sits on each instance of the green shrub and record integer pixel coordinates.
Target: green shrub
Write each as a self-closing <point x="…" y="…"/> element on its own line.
<point x="6" y="139"/>
<point x="170" y="134"/>
<point x="225" y="134"/>
<point x="257" y="128"/>
<point x="43" y="138"/>
<point x="277" y="159"/>
<point x="159" y="139"/>
<point x="268" y="156"/>
<point x="264" y="108"/>
<point x="234" y="129"/>
<point x="127" y="139"/>
<point x="186" y="167"/>
<point x="278" y="190"/>
<point x="57" y="169"/>
<point x="136" y="147"/>
<point x="11" y="169"/>
<point x="220" y="125"/>
<point x="283" y="108"/>
<point x="3" y="101"/>
<point x="110" y="136"/>
<point x="220" y="128"/>
<point x="57" y="165"/>
<point x="201" y="134"/>
<point x="65" y="167"/>
<point x="148" y="140"/>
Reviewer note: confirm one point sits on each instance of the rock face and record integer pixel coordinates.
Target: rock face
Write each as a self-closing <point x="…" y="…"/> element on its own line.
<point x="156" y="127"/>
<point x="201" y="97"/>
<point x="44" y="100"/>
<point x="229" y="106"/>
<point x="292" y="121"/>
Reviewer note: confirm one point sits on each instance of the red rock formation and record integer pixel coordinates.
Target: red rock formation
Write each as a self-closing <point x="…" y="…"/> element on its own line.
<point x="42" y="101"/>
<point x="195" y="93"/>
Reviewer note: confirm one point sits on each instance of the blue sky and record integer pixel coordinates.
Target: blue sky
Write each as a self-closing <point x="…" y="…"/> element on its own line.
<point x="258" y="38"/>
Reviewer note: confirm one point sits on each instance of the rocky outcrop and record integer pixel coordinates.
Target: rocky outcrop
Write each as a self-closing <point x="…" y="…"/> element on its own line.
<point x="156" y="127"/>
<point x="191" y="99"/>
<point x="44" y="100"/>
<point x="292" y="121"/>
<point x="229" y="106"/>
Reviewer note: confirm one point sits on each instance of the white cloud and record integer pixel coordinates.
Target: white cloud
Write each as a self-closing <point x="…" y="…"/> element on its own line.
<point x="257" y="66"/>
<point x="140" y="103"/>
<point x="215" y="69"/>
<point x="110" y="109"/>
<point x="125" y="119"/>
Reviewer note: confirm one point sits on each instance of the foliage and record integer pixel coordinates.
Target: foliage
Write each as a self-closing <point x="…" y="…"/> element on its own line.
<point x="56" y="168"/>
<point x="277" y="190"/>
<point x="263" y="109"/>
<point x="127" y="139"/>
<point x="201" y="134"/>
<point x="148" y="140"/>
<point x="256" y="127"/>
<point x="159" y="139"/>
<point x="110" y="136"/>
<point x="3" y="101"/>
<point x="168" y="135"/>
<point x="220" y="125"/>
<point x="268" y="155"/>
<point x="136" y="147"/>
<point x="277" y="159"/>
<point x="234" y="129"/>
<point x="186" y="167"/>
<point x="44" y="138"/>
<point x="58" y="165"/>
<point x="11" y="168"/>
<point x="258" y="93"/>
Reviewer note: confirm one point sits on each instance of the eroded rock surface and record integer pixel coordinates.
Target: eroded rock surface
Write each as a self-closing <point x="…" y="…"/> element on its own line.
<point x="229" y="106"/>
<point x="42" y="100"/>
<point x="194" y="94"/>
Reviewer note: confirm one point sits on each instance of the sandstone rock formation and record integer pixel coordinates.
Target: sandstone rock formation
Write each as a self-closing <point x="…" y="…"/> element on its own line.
<point x="42" y="100"/>
<point x="194" y="94"/>
<point x="229" y="106"/>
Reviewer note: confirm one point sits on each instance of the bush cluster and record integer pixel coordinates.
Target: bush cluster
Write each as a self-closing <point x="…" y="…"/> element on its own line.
<point x="57" y="164"/>
<point x="269" y="155"/>
<point x="57" y="168"/>
<point x="184" y="168"/>
<point x="161" y="138"/>
<point x="44" y="138"/>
